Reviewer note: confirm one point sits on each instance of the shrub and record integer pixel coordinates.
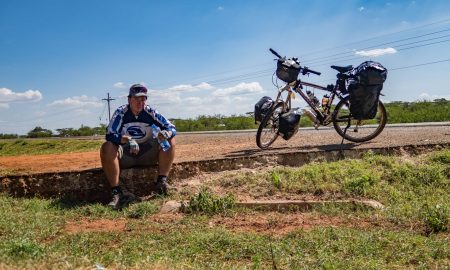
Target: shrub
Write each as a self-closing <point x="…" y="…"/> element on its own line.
<point x="208" y="203"/>
<point x="436" y="218"/>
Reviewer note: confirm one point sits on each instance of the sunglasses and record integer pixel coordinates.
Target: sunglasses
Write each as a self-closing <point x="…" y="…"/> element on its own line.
<point x="139" y="90"/>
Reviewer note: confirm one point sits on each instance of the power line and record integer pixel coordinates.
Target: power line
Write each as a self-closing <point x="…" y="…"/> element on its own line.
<point x="224" y="80"/>
<point x="382" y="44"/>
<point x="376" y="37"/>
<point x="422" y="64"/>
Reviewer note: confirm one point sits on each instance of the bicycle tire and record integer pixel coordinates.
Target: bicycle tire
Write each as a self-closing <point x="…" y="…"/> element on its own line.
<point x="270" y="125"/>
<point x="373" y="129"/>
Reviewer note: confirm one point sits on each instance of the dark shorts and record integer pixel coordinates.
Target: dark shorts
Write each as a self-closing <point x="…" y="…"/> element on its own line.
<point x="147" y="156"/>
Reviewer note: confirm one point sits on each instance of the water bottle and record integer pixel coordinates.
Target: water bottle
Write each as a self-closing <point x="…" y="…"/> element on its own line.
<point x="325" y="100"/>
<point x="165" y="145"/>
<point x="312" y="97"/>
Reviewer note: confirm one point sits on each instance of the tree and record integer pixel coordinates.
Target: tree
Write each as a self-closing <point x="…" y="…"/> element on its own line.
<point x="39" y="132"/>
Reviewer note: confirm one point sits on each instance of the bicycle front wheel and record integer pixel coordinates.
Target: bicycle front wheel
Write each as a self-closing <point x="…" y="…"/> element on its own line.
<point x="268" y="129"/>
<point x="358" y="130"/>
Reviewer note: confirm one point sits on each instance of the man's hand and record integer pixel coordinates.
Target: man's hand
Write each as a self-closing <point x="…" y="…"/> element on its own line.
<point x="134" y="147"/>
<point x="165" y="134"/>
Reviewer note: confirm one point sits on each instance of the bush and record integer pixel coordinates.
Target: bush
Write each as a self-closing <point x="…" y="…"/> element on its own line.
<point x="208" y="203"/>
<point x="436" y="218"/>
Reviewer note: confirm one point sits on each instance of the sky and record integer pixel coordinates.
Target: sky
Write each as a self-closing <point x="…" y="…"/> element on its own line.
<point x="60" y="59"/>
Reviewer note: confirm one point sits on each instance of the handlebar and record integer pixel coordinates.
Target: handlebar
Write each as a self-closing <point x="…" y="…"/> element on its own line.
<point x="305" y="70"/>
<point x="275" y="53"/>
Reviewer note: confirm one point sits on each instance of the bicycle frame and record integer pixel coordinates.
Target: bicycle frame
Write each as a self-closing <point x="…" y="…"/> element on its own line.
<point x="324" y="115"/>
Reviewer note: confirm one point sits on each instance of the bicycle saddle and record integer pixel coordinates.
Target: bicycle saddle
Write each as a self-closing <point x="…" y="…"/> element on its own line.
<point x="342" y="69"/>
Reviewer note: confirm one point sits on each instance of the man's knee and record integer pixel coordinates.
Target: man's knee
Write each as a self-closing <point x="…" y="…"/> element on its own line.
<point x="172" y="142"/>
<point x="109" y="150"/>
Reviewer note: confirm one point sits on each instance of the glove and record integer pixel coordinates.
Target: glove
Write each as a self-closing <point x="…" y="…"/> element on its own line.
<point x="166" y="134"/>
<point x="134" y="146"/>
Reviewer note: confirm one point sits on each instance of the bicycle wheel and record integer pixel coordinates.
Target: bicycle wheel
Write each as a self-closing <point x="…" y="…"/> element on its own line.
<point x="268" y="129"/>
<point x="358" y="130"/>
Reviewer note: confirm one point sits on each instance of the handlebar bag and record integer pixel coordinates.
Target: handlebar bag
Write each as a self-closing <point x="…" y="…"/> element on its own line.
<point x="289" y="123"/>
<point x="262" y="107"/>
<point x="287" y="70"/>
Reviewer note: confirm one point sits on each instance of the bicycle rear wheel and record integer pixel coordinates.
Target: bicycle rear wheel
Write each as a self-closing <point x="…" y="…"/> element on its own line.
<point x="268" y="129"/>
<point x="358" y="130"/>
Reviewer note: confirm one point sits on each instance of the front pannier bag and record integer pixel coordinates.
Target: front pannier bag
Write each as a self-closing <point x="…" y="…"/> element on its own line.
<point x="289" y="123"/>
<point x="262" y="107"/>
<point x="365" y="89"/>
<point x="287" y="70"/>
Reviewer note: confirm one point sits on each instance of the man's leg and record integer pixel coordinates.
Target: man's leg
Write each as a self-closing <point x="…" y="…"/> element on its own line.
<point x="109" y="156"/>
<point x="165" y="160"/>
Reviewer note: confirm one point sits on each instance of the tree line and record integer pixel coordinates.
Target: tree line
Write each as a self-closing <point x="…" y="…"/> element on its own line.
<point x="40" y="132"/>
<point x="398" y="112"/>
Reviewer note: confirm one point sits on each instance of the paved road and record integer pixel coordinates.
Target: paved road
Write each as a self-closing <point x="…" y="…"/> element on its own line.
<point x="205" y="146"/>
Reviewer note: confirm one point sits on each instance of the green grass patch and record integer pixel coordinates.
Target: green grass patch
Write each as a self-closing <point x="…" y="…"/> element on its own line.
<point x="206" y="202"/>
<point x="46" y="146"/>
<point x="406" y="186"/>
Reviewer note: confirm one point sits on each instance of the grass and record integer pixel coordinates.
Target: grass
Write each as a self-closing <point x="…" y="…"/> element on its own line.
<point x="410" y="233"/>
<point x="46" y="146"/>
<point x="206" y="202"/>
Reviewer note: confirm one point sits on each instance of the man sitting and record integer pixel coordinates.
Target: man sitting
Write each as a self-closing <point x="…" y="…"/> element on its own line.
<point x="129" y="143"/>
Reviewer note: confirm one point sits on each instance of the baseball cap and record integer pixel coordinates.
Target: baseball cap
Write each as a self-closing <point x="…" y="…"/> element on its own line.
<point x="138" y="90"/>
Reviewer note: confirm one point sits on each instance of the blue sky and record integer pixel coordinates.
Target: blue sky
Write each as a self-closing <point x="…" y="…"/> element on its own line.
<point x="59" y="59"/>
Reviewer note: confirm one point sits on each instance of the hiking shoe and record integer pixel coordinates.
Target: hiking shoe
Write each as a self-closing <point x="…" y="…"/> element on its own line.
<point x="162" y="186"/>
<point x="115" y="202"/>
<point x="122" y="200"/>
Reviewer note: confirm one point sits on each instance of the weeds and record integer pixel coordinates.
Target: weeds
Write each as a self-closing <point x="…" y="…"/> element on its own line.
<point x="276" y="179"/>
<point x="359" y="185"/>
<point x="208" y="203"/>
<point x="436" y="218"/>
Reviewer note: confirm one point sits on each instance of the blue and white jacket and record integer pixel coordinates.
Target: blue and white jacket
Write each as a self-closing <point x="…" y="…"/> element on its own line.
<point x="124" y="122"/>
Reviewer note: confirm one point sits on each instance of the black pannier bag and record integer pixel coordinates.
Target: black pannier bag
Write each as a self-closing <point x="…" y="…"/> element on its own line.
<point x="287" y="70"/>
<point x="365" y="90"/>
<point x="289" y="124"/>
<point x="262" y="107"/>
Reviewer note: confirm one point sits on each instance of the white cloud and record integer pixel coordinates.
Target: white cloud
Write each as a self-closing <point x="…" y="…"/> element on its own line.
<point x="191" y="88"/>
<point x="361" y="8"/>
<point x="188" y="101"/>
<point x="193" y="101"/>
<point x="77" y="101"/>
<point x="4" y="105"/>
<point x="220" y="8"/>
<point x="8" y="96"/>
<point x="240" y="89"/>
<point x="120" y="85"/>
<point x="376" y="52"/>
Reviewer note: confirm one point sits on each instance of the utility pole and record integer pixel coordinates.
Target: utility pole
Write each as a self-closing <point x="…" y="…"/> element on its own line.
<point x="109" y="109"/>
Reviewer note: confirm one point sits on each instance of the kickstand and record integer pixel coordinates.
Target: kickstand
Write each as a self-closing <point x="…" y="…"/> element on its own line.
<point x="342" y="142"/>
<point x="345" y="130"/>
